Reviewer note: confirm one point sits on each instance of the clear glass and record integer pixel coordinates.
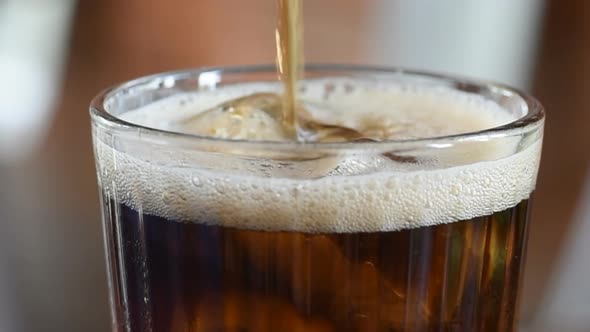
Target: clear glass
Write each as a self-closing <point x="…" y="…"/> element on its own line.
<point x="208" y="234"/>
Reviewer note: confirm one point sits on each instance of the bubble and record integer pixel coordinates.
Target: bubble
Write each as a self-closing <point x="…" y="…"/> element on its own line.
<point x="167" y="198"/>
<point x="196" y="181"/>
<point x="219" y="189"/>
<point x="456" y="188"/>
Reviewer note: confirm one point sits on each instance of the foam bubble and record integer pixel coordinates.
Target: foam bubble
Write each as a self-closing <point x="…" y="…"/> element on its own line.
<point x="381" y="199"/>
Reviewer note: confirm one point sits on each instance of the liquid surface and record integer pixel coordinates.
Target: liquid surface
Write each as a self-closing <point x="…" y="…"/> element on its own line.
<point x="383" y="110"/>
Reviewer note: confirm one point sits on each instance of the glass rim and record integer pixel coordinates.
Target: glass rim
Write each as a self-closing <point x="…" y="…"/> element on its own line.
<point x="533" y="118"/>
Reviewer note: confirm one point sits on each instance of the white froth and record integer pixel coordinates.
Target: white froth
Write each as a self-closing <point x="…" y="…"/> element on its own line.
<point x="388" y="199"/>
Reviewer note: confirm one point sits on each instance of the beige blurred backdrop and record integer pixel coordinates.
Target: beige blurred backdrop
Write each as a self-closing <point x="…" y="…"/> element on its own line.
<point x="52" y="270"/>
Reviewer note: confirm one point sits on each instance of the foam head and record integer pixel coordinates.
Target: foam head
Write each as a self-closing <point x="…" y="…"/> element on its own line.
<point x="347" y="191"/>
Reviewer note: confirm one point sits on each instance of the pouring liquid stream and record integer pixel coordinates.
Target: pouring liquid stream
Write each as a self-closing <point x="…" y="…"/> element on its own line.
<point x="271" y="116"/>
<point x="289" y="40"/>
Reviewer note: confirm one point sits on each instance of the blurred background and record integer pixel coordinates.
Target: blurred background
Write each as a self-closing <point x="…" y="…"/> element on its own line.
<point x="55" y="55"/>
